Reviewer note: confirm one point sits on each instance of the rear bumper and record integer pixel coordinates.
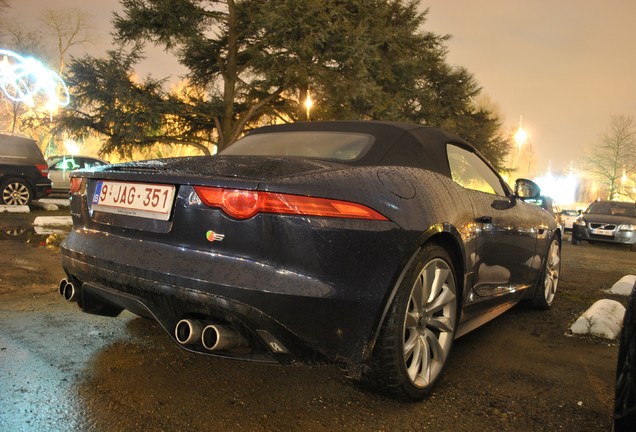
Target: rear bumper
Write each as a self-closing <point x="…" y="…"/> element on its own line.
<point x="43" y="189"/>
<point x="315" y="317"/>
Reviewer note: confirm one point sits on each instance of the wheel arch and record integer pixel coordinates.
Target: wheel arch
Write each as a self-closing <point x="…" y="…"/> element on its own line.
<point x="443" y="235"/>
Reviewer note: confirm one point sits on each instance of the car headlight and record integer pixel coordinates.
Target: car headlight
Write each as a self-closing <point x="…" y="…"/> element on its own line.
<point x="579" y="222"/>
<point x="627" y="227"/>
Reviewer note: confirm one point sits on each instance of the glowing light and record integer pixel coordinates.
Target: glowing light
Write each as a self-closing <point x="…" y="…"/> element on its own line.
<point x="21" y="79"/>
<point x="308" y="104"/>
<point x="561" y="188"/>
<point x="71" y="147"/>
<point x="521" y="136"/>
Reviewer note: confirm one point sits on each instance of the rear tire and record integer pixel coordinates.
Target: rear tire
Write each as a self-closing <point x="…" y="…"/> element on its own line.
<point x="417" y="335"/>
<point x="15" y="191"/>
<point x="546" y="287"/>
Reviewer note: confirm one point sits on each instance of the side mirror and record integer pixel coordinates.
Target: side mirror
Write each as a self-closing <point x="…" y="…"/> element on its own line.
<point x="526" y="189"/>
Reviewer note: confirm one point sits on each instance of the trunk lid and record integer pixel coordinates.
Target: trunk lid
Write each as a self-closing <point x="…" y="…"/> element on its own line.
<point x="224" y="171"/>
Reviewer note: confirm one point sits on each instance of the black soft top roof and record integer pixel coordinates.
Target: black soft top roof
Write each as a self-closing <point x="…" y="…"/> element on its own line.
<point x="396" y="143"/>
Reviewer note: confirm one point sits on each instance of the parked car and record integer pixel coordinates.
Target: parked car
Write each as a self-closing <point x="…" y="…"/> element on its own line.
<point x="607" y="221"/>
<point x="372" y="244"/>
<point x="625" y="398"/>
<point x="568" y="217"/>
<point x="23" y="171"/>
<point x="60" y="167"/>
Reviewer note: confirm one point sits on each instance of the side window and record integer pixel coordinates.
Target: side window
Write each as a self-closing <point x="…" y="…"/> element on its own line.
<point x="64" y="164"/>
<point x="92" y="164"/>
<point x="469" y="171"/>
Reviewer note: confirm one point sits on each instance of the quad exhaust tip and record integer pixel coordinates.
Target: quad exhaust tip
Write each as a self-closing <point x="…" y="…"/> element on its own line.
<point x="68" y="290"/>
<point x="213" y="337"/>
<point x="217" y="337"/>
<point x="187" y="331"/>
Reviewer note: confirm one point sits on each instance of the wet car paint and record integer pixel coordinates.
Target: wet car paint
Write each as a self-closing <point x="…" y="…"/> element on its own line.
<point x="303" y="288"/>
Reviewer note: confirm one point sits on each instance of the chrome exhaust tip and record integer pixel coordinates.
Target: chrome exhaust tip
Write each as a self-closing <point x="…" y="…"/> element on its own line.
<point x="68" y="290"/>
<point x="187" y="331"/>
<point x="217" y="337"/>
<point x="62" y="286"/>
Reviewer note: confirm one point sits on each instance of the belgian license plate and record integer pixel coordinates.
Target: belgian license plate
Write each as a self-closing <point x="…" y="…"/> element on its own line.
<point x="152" y="201"/>
<point x="604" y="232"/>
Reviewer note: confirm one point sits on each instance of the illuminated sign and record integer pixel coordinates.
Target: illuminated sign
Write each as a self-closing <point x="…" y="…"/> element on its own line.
<point x="21" y="79"/>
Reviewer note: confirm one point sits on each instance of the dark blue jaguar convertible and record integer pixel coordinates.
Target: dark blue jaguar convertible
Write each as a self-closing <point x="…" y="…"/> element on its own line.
<point x="372" y="244"/>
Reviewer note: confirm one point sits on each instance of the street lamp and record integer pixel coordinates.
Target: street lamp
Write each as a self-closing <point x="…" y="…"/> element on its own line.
<point x="521" y="136"/>
<point x="308" y="103"/>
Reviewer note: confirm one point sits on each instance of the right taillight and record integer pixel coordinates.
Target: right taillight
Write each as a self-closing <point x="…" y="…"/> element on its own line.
<point x="44" y="169"/>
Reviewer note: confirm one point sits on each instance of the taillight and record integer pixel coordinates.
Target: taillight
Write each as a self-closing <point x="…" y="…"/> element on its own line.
<point x="44" y="169"/>
<point x="76" y="185"/>
<point x="243" y="204"/>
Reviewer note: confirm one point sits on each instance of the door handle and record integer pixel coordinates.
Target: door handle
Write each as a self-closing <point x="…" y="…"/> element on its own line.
<point x="484" y="219"/>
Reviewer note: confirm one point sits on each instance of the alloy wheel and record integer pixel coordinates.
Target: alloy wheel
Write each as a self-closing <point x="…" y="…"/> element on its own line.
<point x="429" y="324"/>
<point x="16" y="193"/>
<point x="552" y="270"/>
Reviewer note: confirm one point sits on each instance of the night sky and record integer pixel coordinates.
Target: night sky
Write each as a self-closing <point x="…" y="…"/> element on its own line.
<point x="566" y="66"/>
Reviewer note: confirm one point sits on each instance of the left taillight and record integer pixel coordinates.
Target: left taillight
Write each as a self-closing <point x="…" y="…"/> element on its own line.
<point x="244" y="204"/>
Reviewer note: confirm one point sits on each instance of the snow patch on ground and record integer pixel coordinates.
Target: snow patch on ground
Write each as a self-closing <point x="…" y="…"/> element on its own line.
<point x="61" y="202"/>
<point x="14" y="209"/>
<point x="53" y="221"/>
<point x="624" y="286"/>
<point x="603" y="319"/>
<point x="47" y="204"/>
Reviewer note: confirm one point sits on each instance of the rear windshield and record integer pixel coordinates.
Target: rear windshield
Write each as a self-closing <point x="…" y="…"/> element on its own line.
<point x="345" y="146"/>
<point x="612" y="208"/>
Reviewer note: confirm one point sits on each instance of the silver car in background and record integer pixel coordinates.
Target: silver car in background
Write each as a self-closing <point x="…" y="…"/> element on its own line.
<point x="568" y="217"/>
<point x="60" y="168"/>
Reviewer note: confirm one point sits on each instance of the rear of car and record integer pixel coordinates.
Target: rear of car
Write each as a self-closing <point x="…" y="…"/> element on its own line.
<point x="182" y="241"/>
<point x="568" y="217"/>
<point x="607" y="222"/>
<point x="23" y="171"/>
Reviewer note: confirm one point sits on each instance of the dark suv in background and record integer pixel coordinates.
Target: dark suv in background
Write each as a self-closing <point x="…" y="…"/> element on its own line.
<point x="23" y="171"/>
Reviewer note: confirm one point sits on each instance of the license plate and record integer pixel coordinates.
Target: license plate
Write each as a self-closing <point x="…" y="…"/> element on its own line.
<point x="153" y="201"/>
<point x="604" y="232"/>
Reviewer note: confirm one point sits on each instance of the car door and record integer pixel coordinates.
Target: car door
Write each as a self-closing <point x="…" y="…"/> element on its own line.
<point x="60" y="173"/>
<point x="505" y="260"/>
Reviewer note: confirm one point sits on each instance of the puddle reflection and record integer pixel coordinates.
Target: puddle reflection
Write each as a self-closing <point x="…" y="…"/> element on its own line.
<point x="35" y="236"/>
